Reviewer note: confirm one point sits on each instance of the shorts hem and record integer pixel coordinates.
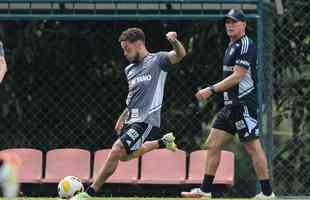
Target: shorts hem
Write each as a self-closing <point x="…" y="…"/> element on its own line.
<point x="226" y="130"/>
<point x="249" y="139"/>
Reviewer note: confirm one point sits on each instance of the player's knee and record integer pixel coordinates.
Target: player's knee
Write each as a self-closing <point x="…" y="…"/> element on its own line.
<point x="126" y="158"/>
<point x="257" y="154"/>
<point x="252" y="151"/>
<point x="118" y="151"/>
<point x="211" y="145"/>
<point x="254" y="148"/>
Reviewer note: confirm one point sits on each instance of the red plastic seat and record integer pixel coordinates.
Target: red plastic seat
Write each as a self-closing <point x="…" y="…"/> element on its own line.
<point x="126" y="172"/>
<point x="67" y="162"/>
<point x="31" y="164"/>
<point x="224" y="174"/>
<point x="163" y="167"/>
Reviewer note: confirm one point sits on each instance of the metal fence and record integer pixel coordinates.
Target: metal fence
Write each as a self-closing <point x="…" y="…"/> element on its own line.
<point x="291" y="60"/>
<point x="66" y="87"/>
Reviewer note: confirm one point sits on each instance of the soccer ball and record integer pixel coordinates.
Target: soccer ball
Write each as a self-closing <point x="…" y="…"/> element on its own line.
<point x="69" y="186"/>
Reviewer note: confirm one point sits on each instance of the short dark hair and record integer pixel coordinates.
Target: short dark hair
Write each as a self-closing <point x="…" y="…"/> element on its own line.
<point x="132" y="35"/>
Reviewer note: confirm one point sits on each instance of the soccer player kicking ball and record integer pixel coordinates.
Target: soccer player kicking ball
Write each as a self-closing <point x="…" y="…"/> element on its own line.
<point x="239" y="113"/>
<point x="146" y="77"/>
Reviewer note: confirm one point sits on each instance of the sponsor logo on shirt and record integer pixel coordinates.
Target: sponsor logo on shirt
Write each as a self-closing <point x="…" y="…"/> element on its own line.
<point x="140" y="79"/>
<point x="244" y="62"/>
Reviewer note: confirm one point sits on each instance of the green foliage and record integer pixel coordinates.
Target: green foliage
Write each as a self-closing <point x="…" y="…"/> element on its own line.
<point x="292" y="89"/>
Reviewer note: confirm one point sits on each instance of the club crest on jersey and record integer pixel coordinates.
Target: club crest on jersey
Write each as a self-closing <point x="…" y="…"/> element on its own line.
<point x="240" y="125"/>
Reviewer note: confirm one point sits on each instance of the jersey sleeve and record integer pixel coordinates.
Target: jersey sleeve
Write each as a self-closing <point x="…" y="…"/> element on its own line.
<point x="246" y="54"/>
<point x="163" y="60"/>
<point x="1" y="49"/>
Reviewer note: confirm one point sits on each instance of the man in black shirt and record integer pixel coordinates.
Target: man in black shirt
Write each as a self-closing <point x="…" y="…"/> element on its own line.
<point x="239" y="115"/>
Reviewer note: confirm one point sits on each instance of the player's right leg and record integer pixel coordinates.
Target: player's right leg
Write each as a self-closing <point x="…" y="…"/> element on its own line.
<point x="216" y="140"/>
<point x="167" y="141"/>
<point x="221" y="132"/>
<point x="117" y="152"/>
<point x="129" y="146"/>
<point x="131" y="139"/>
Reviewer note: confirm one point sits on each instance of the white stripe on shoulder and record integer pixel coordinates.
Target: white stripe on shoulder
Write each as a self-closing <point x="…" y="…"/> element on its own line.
<point x="245" y="45"/>
<point x="242" y="45"/>
<point x="130" y="65"/>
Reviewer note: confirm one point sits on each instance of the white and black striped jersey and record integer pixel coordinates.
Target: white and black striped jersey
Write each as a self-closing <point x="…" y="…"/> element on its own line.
<point x="242" y="53"/>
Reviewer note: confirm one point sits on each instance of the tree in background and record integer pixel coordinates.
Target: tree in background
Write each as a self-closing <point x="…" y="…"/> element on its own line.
<point x="291" y="95"/>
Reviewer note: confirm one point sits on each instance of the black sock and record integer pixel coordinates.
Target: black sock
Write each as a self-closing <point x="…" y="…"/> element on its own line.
<point x="91" y="191"/>
<point x="1" y="163"/>
<point x="161" y="144"/>
<point x="207" y="183"/>
<point x="266" y="187"/>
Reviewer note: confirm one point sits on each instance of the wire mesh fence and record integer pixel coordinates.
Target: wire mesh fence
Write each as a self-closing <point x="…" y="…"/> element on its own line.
<point x="291" y="99"/>
<point x="66" y="87"/>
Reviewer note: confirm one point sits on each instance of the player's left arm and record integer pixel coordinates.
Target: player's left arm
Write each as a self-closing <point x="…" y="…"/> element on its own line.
<point x="178" y="52"/>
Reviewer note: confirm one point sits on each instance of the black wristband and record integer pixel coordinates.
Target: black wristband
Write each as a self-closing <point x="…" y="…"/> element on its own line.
<point x="211" y="89"/>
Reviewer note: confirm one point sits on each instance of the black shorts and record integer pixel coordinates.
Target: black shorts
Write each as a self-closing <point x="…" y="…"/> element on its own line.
<point x="134" y="135"/>
<point x="238" y="119"/>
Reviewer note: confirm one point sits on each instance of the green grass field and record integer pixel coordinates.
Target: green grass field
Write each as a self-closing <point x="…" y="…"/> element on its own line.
<point x="137" y="198"/>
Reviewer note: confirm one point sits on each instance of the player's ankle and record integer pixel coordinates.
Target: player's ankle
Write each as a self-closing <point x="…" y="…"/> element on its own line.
<point x="161" y="143"/>
<point x="91" y="191"/>
<point x="266" y="187"/>
<point x="207" y="184"/>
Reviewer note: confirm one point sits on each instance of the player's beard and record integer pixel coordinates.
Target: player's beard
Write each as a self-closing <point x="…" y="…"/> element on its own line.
<point x="136" y="58"/>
